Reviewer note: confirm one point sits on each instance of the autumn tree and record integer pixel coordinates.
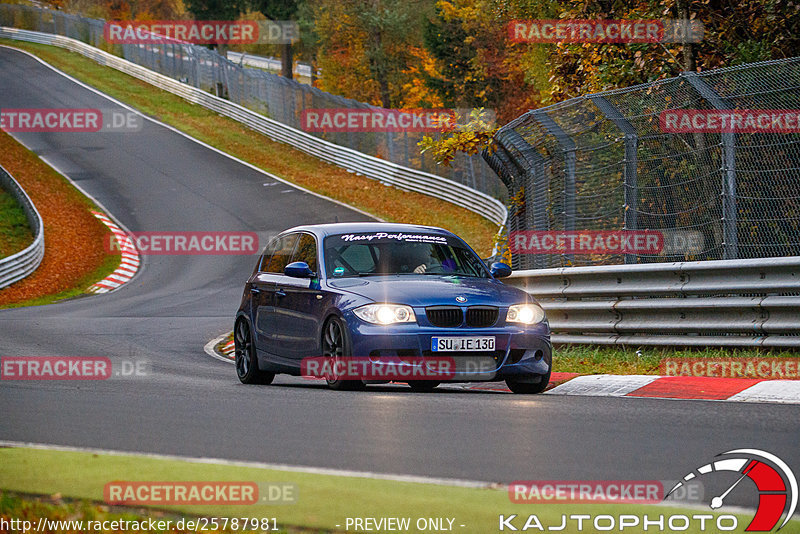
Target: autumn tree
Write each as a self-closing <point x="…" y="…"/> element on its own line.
<point x="370" y="50"/>
<point x="478" y="65"/>
<point x="216" y="10"/>
<point x="735" y="33"/>
<point x="122" y="9"/>
<point x="279" y="10"/>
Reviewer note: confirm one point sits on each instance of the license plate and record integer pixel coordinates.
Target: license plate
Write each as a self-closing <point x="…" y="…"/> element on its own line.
<point x="462" y="344"/>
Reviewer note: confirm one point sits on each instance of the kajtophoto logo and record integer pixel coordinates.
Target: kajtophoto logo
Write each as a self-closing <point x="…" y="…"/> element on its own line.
<point x="774" y="480"/>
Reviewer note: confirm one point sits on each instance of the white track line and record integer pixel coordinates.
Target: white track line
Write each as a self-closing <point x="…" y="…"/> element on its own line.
<point x="603" y="385"/>
<point x="261" y="465"/>
<point x="127" y="268"/>
<point x="781" y="391"/>
<point x="209" y="348"/>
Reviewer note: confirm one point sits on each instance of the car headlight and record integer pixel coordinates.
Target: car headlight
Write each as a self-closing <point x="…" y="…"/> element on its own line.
<point x="525" y="314"/>
<point x="386" y="314"/>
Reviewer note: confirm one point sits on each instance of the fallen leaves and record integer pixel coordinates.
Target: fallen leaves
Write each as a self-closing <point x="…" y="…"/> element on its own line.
<point x="73" y="236"/>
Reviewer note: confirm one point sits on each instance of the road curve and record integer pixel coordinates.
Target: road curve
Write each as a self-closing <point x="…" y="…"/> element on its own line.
<point x="190" y="404"/>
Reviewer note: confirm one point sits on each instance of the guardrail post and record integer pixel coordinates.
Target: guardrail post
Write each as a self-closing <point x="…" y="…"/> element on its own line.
<point x="536" y="187"/>
<point x="511" y="173"/>
<point x="631" y="194"/>
<point x="568" y="146"/>
<point x="729" y="215"/>
<point x="405" y="149"/>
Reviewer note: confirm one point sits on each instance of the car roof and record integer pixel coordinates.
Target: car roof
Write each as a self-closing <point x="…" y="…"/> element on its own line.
<point x="322" y="230"/>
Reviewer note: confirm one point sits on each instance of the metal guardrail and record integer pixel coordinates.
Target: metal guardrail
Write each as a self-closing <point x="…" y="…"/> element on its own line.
<point x="25" y="262"/>
<point x="351" y="160"/>
<point x="267" y="63"/>
<point x="754" y="302"/>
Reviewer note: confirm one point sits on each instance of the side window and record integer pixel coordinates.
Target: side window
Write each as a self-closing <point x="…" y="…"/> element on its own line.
<point x="306" y="251"/>
<point x="263" y="261"/>
<point x="282" y="253"/>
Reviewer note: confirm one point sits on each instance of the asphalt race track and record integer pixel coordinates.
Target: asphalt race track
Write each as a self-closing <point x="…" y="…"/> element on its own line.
<point x="191" y="404"/>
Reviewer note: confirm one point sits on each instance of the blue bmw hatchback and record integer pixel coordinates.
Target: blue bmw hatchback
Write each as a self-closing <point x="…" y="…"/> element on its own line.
<point x="394" y="295"/>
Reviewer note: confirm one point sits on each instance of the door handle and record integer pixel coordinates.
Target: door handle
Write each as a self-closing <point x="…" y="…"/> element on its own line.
<point x="255" y="290"/>
<point x="280" y="293"/>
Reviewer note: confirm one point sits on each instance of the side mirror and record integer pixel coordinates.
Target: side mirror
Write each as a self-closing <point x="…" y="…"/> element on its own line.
<point x="500" y="270"/>
<point x="300" y="269"/>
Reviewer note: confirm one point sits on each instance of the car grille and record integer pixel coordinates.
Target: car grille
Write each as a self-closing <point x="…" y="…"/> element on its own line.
<point x="444" y="316"/>
<point x="481" y="316"/>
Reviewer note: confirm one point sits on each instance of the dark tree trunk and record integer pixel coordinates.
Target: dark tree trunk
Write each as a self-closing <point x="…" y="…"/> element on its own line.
<point x="287" y="60"/>
<point x="689" y="63"/>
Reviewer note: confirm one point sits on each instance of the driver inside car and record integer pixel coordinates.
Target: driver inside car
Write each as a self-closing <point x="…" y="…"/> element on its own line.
<point x="423" y="257"/>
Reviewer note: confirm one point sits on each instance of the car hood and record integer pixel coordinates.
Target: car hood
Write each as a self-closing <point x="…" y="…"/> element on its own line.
<point x="428" y="290"/>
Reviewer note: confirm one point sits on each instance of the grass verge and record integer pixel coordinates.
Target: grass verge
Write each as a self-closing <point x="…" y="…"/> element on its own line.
<point x="369" y="195"/>
<point x="74" y="257"/>
<point x="323" y="501"/>
<point x="593" y="359"/>
<point x="15" y="234"/>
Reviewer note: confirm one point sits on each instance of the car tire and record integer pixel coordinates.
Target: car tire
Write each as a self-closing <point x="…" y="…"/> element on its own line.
<point x="335" y="344"/>
<point x="528" y="388"/>
<point x="423" y="386"/>
<point x="245" y="357"/>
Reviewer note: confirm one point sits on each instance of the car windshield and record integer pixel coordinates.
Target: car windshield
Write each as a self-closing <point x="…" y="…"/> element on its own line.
<point x="383" y="253"/>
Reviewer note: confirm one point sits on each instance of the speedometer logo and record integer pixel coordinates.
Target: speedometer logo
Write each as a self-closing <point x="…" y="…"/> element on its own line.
<point x="776" y="485"/>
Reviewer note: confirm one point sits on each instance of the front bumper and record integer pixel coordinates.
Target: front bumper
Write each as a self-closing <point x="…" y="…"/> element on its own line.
<point x="521" y="352"/>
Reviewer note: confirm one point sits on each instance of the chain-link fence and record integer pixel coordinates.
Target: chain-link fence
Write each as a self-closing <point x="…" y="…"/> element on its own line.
<point x="269" y="94"/>
<point x="700" y="159"/>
